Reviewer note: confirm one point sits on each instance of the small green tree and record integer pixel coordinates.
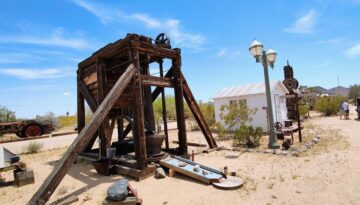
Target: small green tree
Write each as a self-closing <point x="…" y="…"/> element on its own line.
<point x="235" y="116"/>
<point x="354" y="91"/>
<point x="6" y="115"/>
<point x="329" y="105"/>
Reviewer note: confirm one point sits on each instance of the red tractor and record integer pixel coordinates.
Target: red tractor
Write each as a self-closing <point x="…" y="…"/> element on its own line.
<point x="26" y="128"/>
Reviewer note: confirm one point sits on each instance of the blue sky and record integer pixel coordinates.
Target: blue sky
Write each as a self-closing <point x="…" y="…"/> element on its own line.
<point x="41" y="43"/>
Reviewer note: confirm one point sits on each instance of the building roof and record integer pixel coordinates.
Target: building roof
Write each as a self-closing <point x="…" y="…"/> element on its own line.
<point x="250" y="89"/>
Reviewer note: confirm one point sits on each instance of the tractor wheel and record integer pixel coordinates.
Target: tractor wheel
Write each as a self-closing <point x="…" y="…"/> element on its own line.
<point x="32" y="130"/>
<point x="20" y="134"/>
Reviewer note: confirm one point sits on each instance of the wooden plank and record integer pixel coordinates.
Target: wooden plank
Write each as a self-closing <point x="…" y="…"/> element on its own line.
<point x="62" y="167"/>
<point x="194" y="107"/>
<point x="156" y="81"/>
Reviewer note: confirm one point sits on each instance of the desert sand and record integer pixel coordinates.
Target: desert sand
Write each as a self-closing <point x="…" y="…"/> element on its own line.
<point x="329" y="173"/>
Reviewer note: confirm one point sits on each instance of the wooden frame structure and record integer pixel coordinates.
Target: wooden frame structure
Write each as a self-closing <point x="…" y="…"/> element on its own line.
<point x="116" y="81"/>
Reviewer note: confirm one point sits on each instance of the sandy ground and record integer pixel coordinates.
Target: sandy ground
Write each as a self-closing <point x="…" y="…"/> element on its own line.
<point x="329" y="173"/>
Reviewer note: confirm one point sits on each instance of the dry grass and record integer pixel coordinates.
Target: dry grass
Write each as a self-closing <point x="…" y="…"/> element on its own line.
<point x="33" y="147"/>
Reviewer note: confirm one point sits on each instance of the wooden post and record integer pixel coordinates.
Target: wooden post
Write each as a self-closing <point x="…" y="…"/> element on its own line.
<point x="62" y="167"/>
<point x="138" y="112"/>
<point x="190" y="99"/>
<point x="148" y="108"/>
<point x="163" y="103"/>
<point x="120" y="128"/>
<point x="179" y="104"/>
<point x="80" y="107"/>
<point x="101" y="81"/>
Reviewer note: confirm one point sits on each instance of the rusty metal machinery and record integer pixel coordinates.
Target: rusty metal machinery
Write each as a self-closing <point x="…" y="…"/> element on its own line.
<point x="291" y="84"/>
<point x="27" y="128"/>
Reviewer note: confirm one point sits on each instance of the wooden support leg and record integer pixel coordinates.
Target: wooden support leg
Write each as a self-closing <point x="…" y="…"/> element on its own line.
<point x="190" y="99"/>
<point x="120" y="128"/>
<point x="101" y="81"/>
<point x="179" y="104"/>
<point x="62" y="167"/>
<point x="138" y="114"/>
<point x="80" y="111"/>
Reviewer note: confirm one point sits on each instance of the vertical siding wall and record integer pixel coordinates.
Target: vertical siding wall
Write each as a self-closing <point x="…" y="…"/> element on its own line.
<point x="257" y="101"/>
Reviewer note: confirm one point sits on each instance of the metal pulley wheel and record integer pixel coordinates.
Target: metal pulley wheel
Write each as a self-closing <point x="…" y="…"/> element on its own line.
<point x="291" y="83"/>
<point x="163" y="40"/>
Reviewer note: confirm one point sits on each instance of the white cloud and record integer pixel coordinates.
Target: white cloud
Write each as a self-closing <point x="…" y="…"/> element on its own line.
<point x="56" y="38"/>
<point x="304" y="24"/>
<point x="66" y="93"/>
<point x="170" y="26"/>
<point x="27" y="88"/>
<point x="13" y="58"/>
<point x="334" y="41"/>
<point x="28" y="73"/>
<point x="353" y="51"/>
<point x="222" y="52"/>
<point x="227" y="53"/>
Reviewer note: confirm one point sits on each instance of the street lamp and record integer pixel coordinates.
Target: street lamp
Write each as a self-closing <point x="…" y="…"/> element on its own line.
<point x="266" y="59"/>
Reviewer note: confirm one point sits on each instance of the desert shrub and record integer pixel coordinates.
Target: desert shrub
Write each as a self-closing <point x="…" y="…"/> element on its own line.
<point x="248" y="135"/>
<point x="62" y="190"/>
<point x="303" y="110"/>
<point x="33" y="147"/>
<point x="329" y="105"/>
<point x="66" y="121"/>
<point x="235" y="116"/>
<point x="221" y="131"/>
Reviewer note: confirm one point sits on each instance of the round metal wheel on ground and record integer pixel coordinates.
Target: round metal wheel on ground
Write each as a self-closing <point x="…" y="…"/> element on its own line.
<point x="229" y="183"/>
<point x="20" y="134"/>
<point x="32" y="130"/>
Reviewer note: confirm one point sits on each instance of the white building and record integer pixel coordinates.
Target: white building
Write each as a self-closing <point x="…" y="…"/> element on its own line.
<point x="255" y="97"/>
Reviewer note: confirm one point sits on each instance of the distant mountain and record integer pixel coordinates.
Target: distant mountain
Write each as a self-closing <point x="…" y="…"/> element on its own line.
<point x="319" y="90"/>
<point x="343" y="91"/>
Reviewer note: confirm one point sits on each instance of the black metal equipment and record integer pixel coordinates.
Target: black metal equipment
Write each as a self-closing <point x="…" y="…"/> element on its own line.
<point x="163" y="40"/>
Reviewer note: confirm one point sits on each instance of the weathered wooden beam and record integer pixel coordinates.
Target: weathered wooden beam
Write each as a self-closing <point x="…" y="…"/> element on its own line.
<point x="190" y="99"/>
<point x="87" y="95"/>
<point x="138" y="115"/>
<point x="62" y="167"/>
<point x="179" y="104"/>
<point x="101" y="92"/>
<point x="158" y="90"/>
<point x="80" y="110"/>
<point x="156" y="81"/>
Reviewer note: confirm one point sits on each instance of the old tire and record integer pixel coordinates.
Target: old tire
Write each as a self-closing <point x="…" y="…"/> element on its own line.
<point x="32" y="130"/>
<point x="20" y="134"/>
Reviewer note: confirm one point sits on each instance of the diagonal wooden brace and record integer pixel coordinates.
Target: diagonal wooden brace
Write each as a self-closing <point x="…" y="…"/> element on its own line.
<point x="190" y="99"/>
<point x="62" y="167"/>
